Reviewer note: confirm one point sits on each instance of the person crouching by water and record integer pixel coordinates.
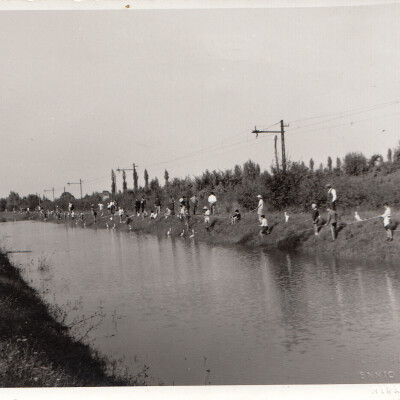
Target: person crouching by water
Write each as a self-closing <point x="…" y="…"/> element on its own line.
<point x="332" y="221"/>
<point x="128" y="221"/>
<point x="387" y="221"/>
<point x="264" y="225"/>
<point x="315" y="218"/>
<point x="153" y="214"/>
<point x="236" y="217"/>
<point x="206" y="215"/>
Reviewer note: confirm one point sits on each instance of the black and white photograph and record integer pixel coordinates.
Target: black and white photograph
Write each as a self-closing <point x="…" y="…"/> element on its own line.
<point x="200" y="195"/>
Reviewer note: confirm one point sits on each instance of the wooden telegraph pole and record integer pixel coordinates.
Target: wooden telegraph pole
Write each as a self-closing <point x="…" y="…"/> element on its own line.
<point x="282" y="132"/>
<point x="77" y="183"/>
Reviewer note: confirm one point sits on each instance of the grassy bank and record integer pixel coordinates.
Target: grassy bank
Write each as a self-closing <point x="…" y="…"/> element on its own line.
<point x="37" y="351"/>
<point x="356" y="240"/>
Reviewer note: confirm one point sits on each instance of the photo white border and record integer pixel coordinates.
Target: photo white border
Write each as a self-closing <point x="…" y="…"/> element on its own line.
<point x="237" y="392"/>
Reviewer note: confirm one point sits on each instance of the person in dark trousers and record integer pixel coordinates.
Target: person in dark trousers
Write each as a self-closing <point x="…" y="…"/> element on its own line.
<point x="137" y="206"/>
<point x="142" y="204"/>
<point x="264" y="225"/>
<point x="195" y="203"/>
<point x="186" y="203"/>
<point x="171" y="205"/>
<point x="315" y="218"/>
<point x="157" y="204"/>
<point x="332" y="221"/>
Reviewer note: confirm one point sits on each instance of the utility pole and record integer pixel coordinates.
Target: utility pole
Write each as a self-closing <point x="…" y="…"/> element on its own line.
<point x="50" y="190"/>
<point x="77" y="183"/>
<point x="282" y="132"/>
<point x="276" y="152"/>
<point x="134" y="166"/>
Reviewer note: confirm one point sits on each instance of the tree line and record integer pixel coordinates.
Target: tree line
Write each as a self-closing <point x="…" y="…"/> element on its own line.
<point x="360" y="181"/>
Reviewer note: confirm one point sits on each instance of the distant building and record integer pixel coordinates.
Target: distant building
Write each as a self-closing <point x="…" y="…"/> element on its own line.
<point x="105" y="195"/>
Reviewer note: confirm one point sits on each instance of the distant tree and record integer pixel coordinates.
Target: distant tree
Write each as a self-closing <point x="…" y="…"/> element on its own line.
<point x="311" y="164"/>
<point x="251" y="171"/>
<point x="375" y="161"/>
<point x="113" y="183"/>
<point x="3" y="204"/>
<point x="124" y="184"/>
<point x="154" y="185"/>
<point x="338" y="163"/>
<point x="67" y="196"/>
<point x="329" y="164"/>
<point x="166" y="177"/>
<point x="13" y="200"/>
<point x="321" y="167"/>
<point x="237" y="174"/>
<point x="355" y="164"/>
<point x="146" y="180"/>
<point x="32" y="201"/>
<point x="389" y="155"/>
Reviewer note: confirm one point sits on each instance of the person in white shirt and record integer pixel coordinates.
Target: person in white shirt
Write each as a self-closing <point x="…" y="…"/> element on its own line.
<point x="212" y="201"/>
<point x="264" y="225"/>
<point x="332" y="197"/>
<point x="387" y="219"/>
<point x="153" y="215"/>
<point x="121" y="214"/>
<point x="260" y="207"/>
<point x="101" y="206"/>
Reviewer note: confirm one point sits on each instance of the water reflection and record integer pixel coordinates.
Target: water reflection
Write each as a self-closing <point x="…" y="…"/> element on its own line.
<point x="248" y="316"/>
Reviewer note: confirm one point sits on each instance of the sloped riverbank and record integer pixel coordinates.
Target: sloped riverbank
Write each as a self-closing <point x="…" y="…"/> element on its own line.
<point x="364" y="240"/>
<point x="35" y="349"/>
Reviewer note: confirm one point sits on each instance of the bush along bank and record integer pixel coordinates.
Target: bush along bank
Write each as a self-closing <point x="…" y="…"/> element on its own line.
<point x="36" y="350"/>
<point x="363" y="240"/>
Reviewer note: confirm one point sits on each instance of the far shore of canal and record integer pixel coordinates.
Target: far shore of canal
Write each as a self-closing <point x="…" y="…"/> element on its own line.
<point x="361" y="241"/>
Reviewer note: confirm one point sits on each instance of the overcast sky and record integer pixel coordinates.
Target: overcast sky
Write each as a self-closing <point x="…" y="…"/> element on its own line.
<point x="84" y="92"/>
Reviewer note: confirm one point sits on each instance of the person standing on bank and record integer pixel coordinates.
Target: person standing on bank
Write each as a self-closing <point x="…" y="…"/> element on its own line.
<point x="260" y="207"/>
<point x="157" y="203"/>
<point x="195" y="203"/>
<point x="316" y="218"/>
<point x="332" y="197"/>
<point x="171" y="205"/>
<point x="387" y="221"/>
<point x="212" y="201"/>
<point x="332" y="221"/>
<point x="142" y="205"/>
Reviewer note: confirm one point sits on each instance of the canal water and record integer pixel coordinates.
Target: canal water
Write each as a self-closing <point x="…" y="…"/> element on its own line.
<point x="198" y="314"/>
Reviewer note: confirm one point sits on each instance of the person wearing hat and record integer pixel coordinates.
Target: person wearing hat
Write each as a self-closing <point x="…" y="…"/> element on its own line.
<point x="332" y="197"/>
<point x="260" y="207"/>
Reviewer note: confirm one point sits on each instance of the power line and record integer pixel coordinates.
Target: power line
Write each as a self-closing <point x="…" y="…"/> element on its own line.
<point x="377" y="106"/>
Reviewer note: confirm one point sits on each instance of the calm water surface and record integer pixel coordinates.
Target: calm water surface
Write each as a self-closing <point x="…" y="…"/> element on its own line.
<point x="185" y="308"/>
